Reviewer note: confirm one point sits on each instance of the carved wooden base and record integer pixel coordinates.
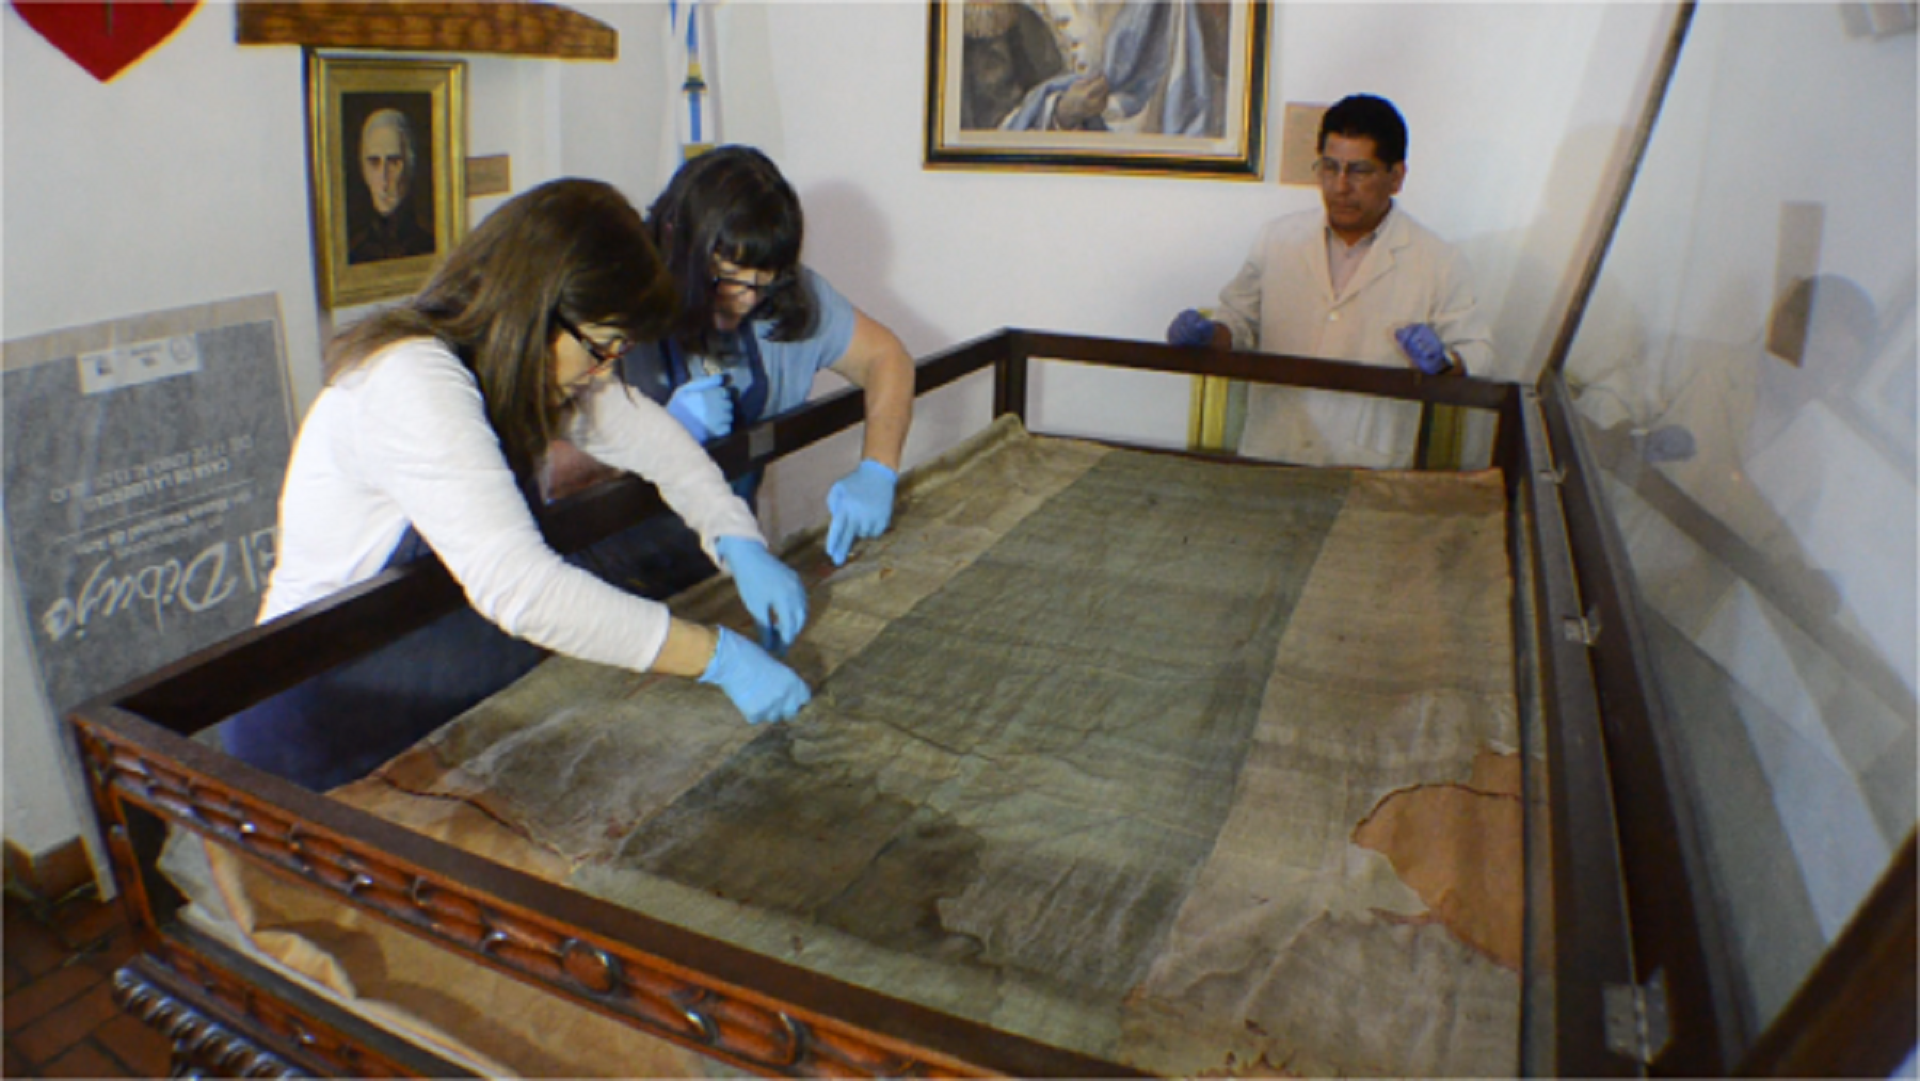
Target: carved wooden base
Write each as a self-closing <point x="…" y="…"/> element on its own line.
<point x="541" y="947"/>
<point x="201" y="1045"/>
<point x="224" y="1024"/>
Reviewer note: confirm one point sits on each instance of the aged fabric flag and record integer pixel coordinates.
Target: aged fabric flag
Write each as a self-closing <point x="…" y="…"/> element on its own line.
<point x="1195" y="766"/>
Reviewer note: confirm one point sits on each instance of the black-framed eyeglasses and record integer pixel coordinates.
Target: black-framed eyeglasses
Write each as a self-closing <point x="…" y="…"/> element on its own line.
<point x="604" y="356"/>
<point x="1329" y="169"/>
<point x="763" y="290"/>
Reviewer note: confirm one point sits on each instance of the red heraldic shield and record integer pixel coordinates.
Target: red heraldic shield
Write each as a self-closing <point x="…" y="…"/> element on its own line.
<point x="105" y="38"/>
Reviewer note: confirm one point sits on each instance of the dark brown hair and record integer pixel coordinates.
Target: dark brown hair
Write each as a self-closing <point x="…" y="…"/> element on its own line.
<point x="1364" y="116"/>
<point x="732" y="202"/>
<point x="575" y="248"/>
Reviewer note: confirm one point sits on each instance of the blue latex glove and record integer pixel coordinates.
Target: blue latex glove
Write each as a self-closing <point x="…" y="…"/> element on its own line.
<point x="861" y="504"/>
<point x="762" y="688"/>
<point x="769" y="588"/>
<point x="1190" y="328"/>
<point x="1424" y="348"/>
<point x="703" y="407"/>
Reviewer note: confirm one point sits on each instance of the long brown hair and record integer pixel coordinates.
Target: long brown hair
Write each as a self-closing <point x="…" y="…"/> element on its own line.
<point x="575" y="248"/>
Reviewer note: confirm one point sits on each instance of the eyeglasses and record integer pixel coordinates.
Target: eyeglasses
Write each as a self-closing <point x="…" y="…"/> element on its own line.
<point x="605" y="356"/>
<point x="739" y="286"/>
<point x="1329" y="170"/>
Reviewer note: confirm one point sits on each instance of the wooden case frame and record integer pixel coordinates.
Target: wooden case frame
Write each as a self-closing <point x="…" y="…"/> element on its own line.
<point x="1617" y="890"/>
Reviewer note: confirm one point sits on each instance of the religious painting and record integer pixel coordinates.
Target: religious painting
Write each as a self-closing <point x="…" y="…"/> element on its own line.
<point x="1174" y="87"/>
<point x="389" y="185"/>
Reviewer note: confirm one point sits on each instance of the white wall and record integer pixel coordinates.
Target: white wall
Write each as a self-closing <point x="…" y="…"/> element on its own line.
<point x="184" y="181"/>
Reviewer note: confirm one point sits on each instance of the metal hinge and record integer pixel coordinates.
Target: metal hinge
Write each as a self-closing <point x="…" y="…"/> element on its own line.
<point x="1582" y="629"/>
<point x="1637" y="1018"/>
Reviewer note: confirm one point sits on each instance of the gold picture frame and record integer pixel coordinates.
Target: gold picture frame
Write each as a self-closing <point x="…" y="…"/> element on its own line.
<point x="388" y="151"/>
<point x="1169" y="87"/>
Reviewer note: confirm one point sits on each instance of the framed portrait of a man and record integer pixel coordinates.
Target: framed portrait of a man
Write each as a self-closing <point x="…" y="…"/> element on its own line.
<point x="1175" y="87"/>
<point x="389" y="186"/>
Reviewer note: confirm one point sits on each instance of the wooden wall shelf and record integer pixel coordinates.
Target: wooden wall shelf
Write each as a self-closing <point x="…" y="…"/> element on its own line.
<point x="517" y="29"/>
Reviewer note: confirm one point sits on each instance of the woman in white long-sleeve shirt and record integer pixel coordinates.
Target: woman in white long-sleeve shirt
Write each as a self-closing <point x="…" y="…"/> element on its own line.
<point x="435" y="418"/>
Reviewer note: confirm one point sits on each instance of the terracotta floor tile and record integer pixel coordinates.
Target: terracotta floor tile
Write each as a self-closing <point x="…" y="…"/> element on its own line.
<point x="47" y="994"/>
<point x="30" y="945"/>
<point x="16" y="1064"/>
<point x="139" y="1047"/>
<point x="59" y="1011"/>
<point x="85" y="921"/>
<point x="84" y="1060"/>
<point x="45" y="1039"/>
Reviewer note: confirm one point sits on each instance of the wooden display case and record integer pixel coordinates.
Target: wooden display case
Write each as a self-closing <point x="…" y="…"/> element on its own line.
<point x="1625" y="973"/>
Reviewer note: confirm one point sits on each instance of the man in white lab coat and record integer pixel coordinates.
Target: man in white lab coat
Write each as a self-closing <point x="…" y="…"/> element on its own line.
<point x="1358" y="280"/>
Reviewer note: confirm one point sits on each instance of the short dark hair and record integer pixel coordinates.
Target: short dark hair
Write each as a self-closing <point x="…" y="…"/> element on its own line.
<point x="573" y="249"/>
<point x="732" y="203"/>
<point x="1359" y="116"/>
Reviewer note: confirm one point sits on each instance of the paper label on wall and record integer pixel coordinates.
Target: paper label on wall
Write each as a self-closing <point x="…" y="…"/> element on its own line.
<point x="1300" y="142"/>
<point x="143" y="460"/>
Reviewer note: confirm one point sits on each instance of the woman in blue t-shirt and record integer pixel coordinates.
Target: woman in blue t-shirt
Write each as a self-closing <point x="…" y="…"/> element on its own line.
<point x="754" y="326"/>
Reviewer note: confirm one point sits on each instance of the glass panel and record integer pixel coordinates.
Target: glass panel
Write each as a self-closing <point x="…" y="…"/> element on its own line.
<point x="1746" y="370"/>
